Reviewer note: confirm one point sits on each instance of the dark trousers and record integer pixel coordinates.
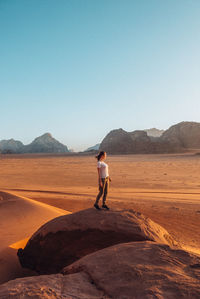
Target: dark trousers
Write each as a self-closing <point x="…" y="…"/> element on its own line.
<point x="102" y="191"/>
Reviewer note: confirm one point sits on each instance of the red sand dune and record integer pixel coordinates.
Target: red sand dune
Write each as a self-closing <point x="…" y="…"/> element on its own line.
<point x="20" y="218"/>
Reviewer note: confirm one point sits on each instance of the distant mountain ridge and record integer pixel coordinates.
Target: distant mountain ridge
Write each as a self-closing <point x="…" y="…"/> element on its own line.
<point x="42" y="144"/>
<point x="178" y="138"/>
<point x="93" y="148"/>
<point x="137" y="142"/>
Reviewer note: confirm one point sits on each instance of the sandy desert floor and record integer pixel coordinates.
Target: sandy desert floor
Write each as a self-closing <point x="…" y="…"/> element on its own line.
<point x="165" y="188"/>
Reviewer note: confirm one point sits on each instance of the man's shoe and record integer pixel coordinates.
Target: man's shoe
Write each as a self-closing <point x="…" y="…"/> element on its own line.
<point x="96" y="206"/>
<point x="105" y="207"/>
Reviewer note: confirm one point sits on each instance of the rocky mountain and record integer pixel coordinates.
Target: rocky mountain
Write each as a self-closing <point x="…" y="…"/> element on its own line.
<point x="117" y="142"/>
<point x="43" y="144"/>
<point x="178" y="138"/>
<point x="46" y="144"/>
<point x="11" y="146"/>
<point x="154" y="132"/>
<point x="185" y="135"/>
<point x="136" y="142"/>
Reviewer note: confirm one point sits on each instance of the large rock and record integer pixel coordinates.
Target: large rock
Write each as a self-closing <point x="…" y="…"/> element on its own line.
<point x="56" y="286"/>
<point x="136" y="142"/>
<point x="183" y="135"/>
<point x="117" y="142"/>
<point x="141" y="142"/>
<point x="144" y="270"/>
<point x="122" y="142"/>
<point x="66" y="239"/>
<point x="178" y="138"/>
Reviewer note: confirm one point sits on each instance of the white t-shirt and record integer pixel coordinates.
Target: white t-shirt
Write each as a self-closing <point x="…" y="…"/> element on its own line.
<point x="103" y="169"/>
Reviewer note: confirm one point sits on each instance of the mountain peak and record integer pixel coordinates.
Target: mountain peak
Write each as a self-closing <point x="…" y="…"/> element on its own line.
<point x="46" y="135"/>
<point x="46" y="143"/>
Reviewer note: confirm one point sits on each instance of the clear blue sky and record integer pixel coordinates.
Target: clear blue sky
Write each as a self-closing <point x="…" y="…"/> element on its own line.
<point x="79" y="68"/>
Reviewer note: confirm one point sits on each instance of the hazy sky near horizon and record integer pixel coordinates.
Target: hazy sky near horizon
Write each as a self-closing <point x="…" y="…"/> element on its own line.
<point x="80" y="68"/>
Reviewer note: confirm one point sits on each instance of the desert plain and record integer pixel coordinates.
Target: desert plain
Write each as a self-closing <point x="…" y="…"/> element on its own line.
<point x="37" y="188"/>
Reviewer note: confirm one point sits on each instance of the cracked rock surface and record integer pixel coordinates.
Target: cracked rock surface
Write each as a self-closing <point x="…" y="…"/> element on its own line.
<point x="55" y="286"/>
<point x="142" y="270"/>
<point x="132" y="270"/>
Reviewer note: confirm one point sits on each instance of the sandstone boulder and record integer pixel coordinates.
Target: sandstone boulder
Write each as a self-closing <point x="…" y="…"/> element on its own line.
<point x="132" y="270"/>
<point x="56" y="286"/>
<point x="66" y="239"/>
<point x="142" y="270"/>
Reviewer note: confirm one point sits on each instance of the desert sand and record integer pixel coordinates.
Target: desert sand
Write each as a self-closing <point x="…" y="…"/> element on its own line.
<point x="166" y="188"/>
<point x="20" y="217"/>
